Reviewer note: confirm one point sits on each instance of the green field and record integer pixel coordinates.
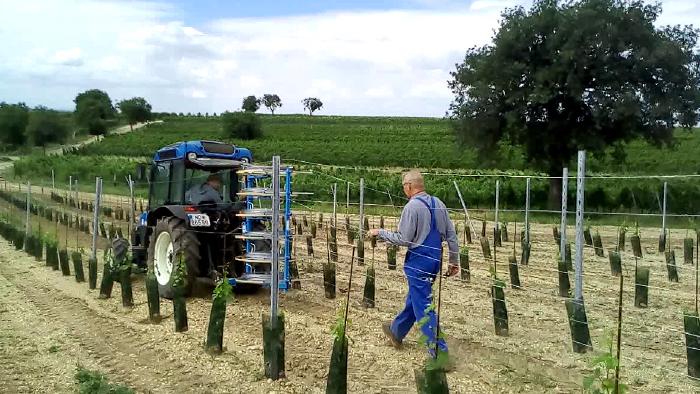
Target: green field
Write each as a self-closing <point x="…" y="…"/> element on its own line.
<point x="402" y="142"/>
<point x="382" y="142"/>
<point x="377" y="148"/>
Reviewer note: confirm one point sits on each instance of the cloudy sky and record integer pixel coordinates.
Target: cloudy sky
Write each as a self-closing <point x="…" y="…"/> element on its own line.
<point x="361" y="57"/>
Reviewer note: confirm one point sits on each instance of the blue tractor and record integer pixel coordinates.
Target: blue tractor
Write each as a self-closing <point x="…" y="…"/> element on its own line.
<point x="192" y="214"/>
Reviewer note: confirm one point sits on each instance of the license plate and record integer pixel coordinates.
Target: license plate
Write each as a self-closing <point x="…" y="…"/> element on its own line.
<point x="198" y="220"/>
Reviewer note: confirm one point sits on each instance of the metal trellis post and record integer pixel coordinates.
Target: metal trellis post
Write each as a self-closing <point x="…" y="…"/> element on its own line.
<point x="96" y="216"/>
<point x="29" y="204"/>
<point x="562" y="230"/>
<point x="335" y="203"/>
<point x="274" y="280"/>
<point x="495" y="226"/>
<point x="580" y="188"/>
<point x="362" y="209"/>
<point x="131" y="206"/>
<point x="464" y="207"/>
<point x="527" y="211"/>
<point x="663" y="213"/>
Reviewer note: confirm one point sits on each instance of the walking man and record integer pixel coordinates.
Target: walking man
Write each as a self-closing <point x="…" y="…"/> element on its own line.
<point x="424" y="224"/>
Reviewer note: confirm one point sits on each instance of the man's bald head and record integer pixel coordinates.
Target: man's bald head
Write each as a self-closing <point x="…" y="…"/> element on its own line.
<point x="412" y="183"/>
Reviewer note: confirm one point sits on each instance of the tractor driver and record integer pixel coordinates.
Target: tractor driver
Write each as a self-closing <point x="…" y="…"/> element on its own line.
<point x="207" y="192"/>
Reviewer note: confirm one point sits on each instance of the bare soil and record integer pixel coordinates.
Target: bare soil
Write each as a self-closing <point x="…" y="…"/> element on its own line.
<point x="50" y="324"/>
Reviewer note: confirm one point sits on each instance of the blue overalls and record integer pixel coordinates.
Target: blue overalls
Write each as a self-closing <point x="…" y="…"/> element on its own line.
<point x="421" y="266"/>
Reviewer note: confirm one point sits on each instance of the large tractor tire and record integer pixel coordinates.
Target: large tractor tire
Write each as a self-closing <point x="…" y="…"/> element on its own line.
<point x="170" y="238"/>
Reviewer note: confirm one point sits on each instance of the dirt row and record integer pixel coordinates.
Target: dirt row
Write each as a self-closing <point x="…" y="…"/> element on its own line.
<point x="54" y="323"/>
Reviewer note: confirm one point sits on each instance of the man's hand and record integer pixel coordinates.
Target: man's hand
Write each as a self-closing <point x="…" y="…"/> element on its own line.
<point x="452" y="270"/>
<point x="373" y="232"/>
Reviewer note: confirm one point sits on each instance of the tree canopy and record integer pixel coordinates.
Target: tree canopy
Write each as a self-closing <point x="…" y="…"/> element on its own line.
<point x="242" y="125"/>
<point x="13" y="122"/>
<point x="250" y="104"/>
<point x="46" y="126"/>
<point x="272" y="102"/>
<point x="136" y="110"/>
<point x="579" y="74"/>
<point x="312" y="104"/>
<point x="92" y="110"/>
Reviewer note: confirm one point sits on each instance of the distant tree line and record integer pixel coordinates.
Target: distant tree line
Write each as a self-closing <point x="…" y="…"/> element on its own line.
<point x="94" y="114"/>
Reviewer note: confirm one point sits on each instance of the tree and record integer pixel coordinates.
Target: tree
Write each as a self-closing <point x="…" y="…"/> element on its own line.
<point x="312" y="104"/>
<point x="272" y="102"/>
<point x="13" y="122"/>
<point x="136" y="110"/>
<point x="250" y="104"/>
<point x="585" y="74"/>
<point x="93" y="108"/>
<point x="243" y="125"/>
<point x="46" y="126"/>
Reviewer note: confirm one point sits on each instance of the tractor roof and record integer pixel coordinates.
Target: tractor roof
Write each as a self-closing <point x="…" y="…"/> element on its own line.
<point x="203" y="149"/>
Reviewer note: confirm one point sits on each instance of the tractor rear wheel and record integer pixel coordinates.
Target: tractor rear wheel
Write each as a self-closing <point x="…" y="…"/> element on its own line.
<point x="171" y="238"/>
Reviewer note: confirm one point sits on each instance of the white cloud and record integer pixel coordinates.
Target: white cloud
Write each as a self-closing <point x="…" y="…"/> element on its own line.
<point x="196" y="93"/>
<point x="370" y="62"/>
<point x="380" y="92"/>
<point x="68" y="57"/>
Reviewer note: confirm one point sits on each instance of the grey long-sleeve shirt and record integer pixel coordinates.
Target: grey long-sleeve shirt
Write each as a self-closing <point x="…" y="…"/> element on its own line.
<point x="414" y="226"/>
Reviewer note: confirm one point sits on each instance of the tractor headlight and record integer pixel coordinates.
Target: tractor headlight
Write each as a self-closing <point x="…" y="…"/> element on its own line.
<point x="191" y="156"/>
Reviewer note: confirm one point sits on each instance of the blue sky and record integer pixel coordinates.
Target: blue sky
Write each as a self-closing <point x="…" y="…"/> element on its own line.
<point x="197" y="12"/>
<point x="359" y="57"/>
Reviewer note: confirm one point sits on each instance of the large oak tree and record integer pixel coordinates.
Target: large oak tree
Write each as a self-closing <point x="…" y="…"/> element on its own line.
<point x="136" y="110"/>
<point x="93" y="108"/>
<point x="578" y="74"/>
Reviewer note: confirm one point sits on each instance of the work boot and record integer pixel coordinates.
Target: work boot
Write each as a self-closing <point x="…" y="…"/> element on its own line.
<point x="386" y="327"/>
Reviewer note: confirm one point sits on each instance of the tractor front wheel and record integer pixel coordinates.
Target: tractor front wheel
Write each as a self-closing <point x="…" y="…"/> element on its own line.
<point x="170" y="239"/>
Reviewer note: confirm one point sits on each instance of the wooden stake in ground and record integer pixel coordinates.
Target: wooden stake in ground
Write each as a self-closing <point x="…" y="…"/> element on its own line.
<point x="124" y="268"/>
<point x="598" y="245"/>
<point x="329" y="272"/>
<point x="688" y="250"/>
<point x="64" y="262"/>
<point x="391" y="256"/>
<point x="333" y="246"/>
<point x="78" y="266"/>
<point x="464" y="272"/>
<point x="615" y="262"/>
<point x="152" y="297"/>
<point x="215" y="330"/>
<point x="636" y="242"/>
<point x="337" y="381"/>
<point x="564" y="284"/>
<point x="513" y="263"/>
<point x="369" y="290"/>
<point x="107" y="276"/>
<point x="309" y="245"/>
<point x="578" y="323"/>
<point x="500" y="312"/>
<point x="179" y="300"/>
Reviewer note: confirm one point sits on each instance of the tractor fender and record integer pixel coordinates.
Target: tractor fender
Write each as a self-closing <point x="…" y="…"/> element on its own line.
<point x="177" y="211"/>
